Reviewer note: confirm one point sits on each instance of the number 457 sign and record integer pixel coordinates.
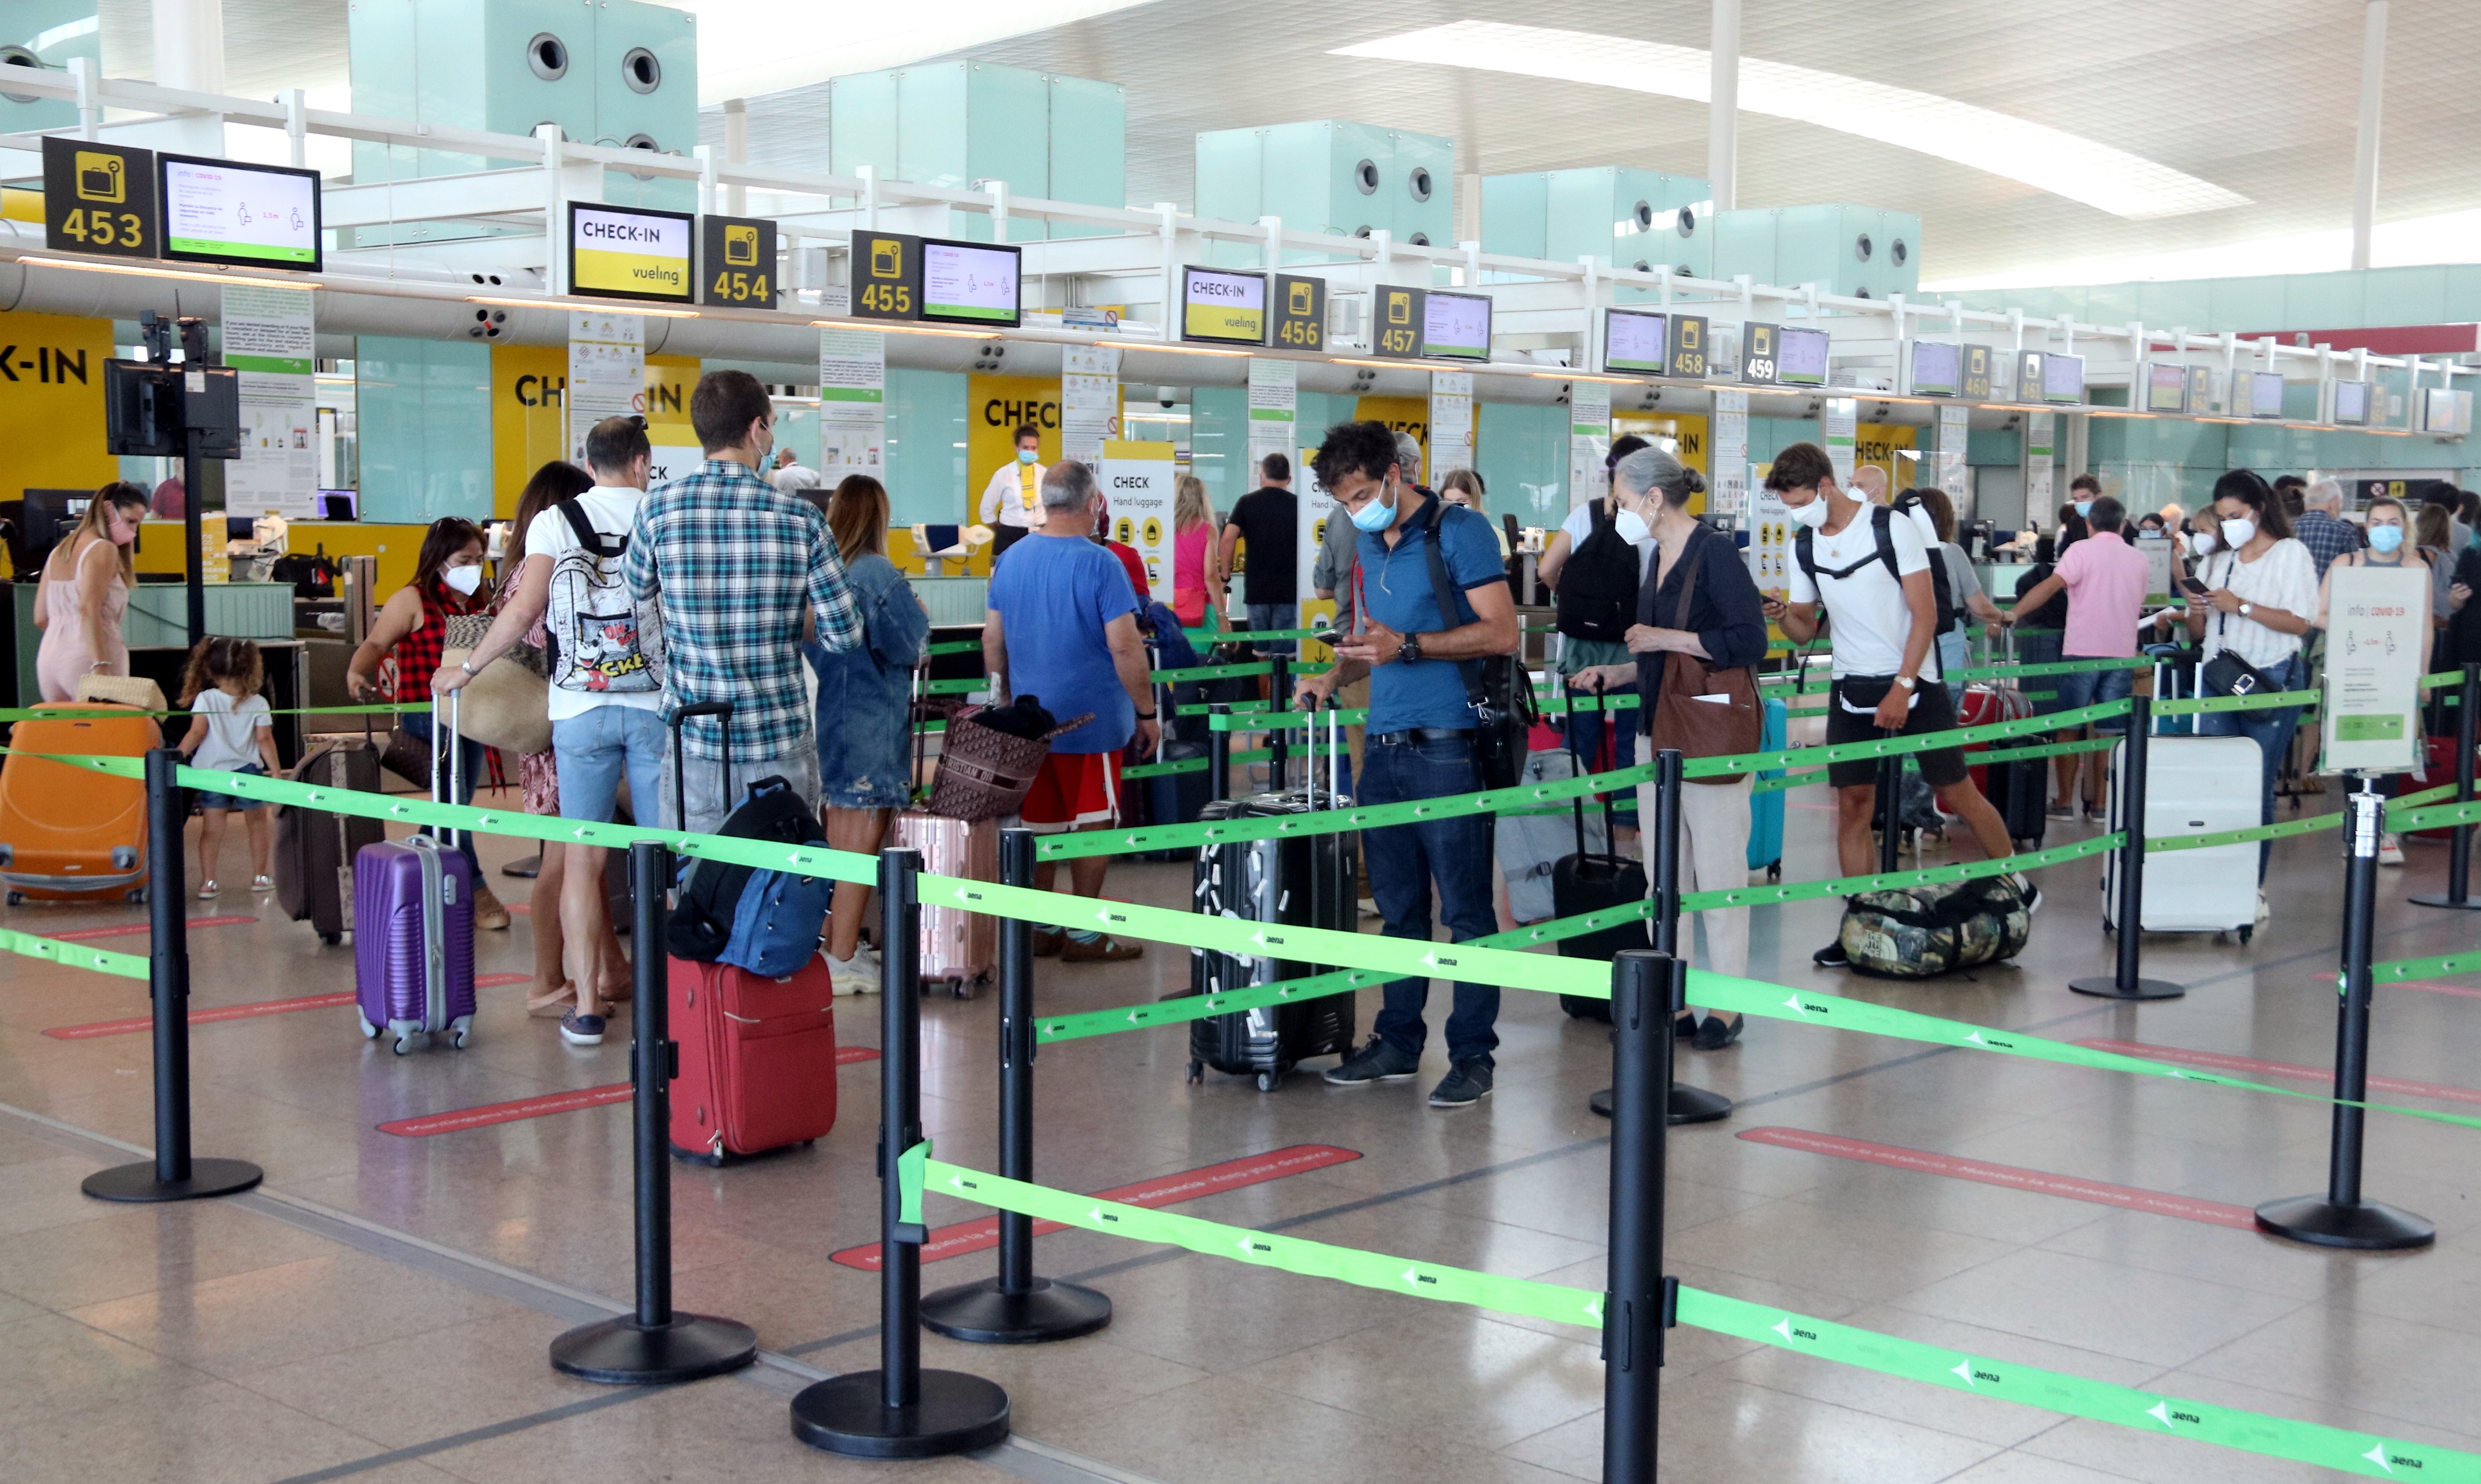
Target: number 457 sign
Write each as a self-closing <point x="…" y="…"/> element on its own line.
<point x="99" y="198"/>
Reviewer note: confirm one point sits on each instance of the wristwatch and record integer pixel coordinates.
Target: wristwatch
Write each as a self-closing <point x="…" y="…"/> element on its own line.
<point x="1410" y="650"/>
<point x="468" y="666"/>
<point x="2246" y="608"/>
<point x="1906" y="681"/>
<point x="1145" y="715"/>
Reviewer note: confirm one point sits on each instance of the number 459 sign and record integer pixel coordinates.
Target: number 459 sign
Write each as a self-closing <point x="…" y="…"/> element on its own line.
<point x="99" y="198"/>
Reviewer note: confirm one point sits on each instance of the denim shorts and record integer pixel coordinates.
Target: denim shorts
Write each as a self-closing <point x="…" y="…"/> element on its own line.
<point x="2090" y="688"/>
<point x="596" y="749"/>
<point x="208" y="801"/>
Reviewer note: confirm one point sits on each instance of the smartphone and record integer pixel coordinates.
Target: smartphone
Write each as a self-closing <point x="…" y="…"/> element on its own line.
<point x="1329" y="637"/>
<point x="2192" y="587"/>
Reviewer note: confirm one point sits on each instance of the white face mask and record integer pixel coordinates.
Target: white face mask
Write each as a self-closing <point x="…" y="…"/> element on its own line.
<point x="1813" y="514"/>
<point x="2201" y="542"/>
<point x="1632" y="527"/>
<point x="2239" y="533"/>
<point x="465" y="579"/>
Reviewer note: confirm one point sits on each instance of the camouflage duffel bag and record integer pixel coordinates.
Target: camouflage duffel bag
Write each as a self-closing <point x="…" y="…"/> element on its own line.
<point x="1921" y="932"/>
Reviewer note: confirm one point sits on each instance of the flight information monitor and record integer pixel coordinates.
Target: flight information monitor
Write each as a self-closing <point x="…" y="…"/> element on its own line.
<point x="2063" y="378"/>
<point x="2166" y="387"/>
<point x="2352" y="403"/>
<point x="1634" y="342"/>
<point x="1938" y="368"/>
<point x="2265" y="393"/>
<point x="1800" y="357"/>
<point x="1456" y="326"/>
<point x="249" y="215"/>
<point x="969" y="283"/>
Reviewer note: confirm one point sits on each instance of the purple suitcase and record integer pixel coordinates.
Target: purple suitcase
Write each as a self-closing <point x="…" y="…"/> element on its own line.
<point x="413" y="927"/>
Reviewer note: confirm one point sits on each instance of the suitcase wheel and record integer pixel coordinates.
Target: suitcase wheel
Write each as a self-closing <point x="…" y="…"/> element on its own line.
<point x="2248" y="932"/>
<point x="15" y="897"/>
<point x="331" y="939"/>
<point x="461" y="1032"/>
<point x="370" y="1032"/>
<point x="1270" y="1080"/>
<point x="1196" y="1072"/>
<point x="136" y="893"/>
<point x="1774" y="870"/>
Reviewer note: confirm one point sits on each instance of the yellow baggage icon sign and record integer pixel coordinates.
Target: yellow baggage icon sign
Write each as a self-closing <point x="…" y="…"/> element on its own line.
<point x="100" y="177"/>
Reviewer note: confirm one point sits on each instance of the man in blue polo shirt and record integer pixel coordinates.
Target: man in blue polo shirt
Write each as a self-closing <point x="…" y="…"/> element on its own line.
<point x="1419" y="737"/>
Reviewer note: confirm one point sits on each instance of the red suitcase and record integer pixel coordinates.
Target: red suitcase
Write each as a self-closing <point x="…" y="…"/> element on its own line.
<point x="757" y="1060"/>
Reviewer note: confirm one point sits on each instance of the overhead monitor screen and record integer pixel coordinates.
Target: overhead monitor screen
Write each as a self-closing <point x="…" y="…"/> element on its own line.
<point x="252" y="216"/>
<point x="1800" y="357"/>
<point x="1456" y="326"/>
<point x="2266" y="394"/>
<point x="1634" y="342"/>
<point x="2352" y="403"/>
<point x="2166" y="387"/>
<point x="969" y="283"/>
<point x="1938" y="368"/>
<point x="2063" y="378"/>
<point x="628" y="254"/>
<point x="1227" y="308"/>
<point x="2446" y="411"/>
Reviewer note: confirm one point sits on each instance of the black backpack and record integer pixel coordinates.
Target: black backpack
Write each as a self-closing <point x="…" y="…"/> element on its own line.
<point x="1879" y="518"/>
<point x="1597" y="591"/>
<point x="710" y="891"/>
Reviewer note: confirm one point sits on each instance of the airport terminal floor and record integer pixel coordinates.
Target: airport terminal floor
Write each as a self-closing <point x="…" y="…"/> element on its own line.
<point x="379" y="1309"/>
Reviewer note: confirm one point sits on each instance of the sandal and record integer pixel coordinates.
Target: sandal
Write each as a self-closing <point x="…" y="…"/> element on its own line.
<point x="554" y="1005"/>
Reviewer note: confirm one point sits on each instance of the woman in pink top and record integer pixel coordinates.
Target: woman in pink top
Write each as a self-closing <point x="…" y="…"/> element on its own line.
<point x="1193" y="588"/>
<point x="2105" y="578"/>
<point x="84" y="589"/>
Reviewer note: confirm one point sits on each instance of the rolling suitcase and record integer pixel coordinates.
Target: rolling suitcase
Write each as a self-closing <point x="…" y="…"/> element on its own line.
<point x="315" y="850"/>
<point x="1304" y="882"/>
<point x="413" y="925"/>
<point x="1590" y="881"/>
<point x="68" y="834"/>
<point x="754" y="1062"/>
<point x="2020" y="789"/>
<point x="959" y="947"/>
<point x="1766" y="810"/>
<point x="1529" y="846"/>
<point x="2193" y="785"/>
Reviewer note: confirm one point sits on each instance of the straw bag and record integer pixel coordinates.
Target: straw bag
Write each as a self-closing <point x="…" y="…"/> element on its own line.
<point x="121" y="691"/>
<point x="984" y="772"/>
<point x="508" y="703"/>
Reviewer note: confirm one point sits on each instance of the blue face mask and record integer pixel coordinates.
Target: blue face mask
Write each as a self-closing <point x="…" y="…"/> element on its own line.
<point x="2385" y="538"/>
<point x="1373" y="517"/>
<point x="1025" y="456"/>
<point x="2084" y="508"/>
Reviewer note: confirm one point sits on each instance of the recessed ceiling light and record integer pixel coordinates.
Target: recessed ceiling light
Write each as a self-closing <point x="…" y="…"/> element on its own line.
<point x="2052" y="160"/>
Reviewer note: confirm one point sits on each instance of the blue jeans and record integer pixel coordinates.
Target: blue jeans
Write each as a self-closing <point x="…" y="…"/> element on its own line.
<point x="2271" y="731"/>
<point x="598" y="748"/>
<point x="471" y="762"/>
<point x="1268" y="616"/>
<point x="1403" y="860"/>
<point x="2081" y="689"/>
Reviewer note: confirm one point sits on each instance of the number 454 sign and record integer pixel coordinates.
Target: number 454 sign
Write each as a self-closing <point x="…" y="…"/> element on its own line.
<point x="99" y="198"/>
<point x="737" y="262"/>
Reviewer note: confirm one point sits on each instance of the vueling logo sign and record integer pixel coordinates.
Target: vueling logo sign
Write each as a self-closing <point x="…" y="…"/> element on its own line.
<point x="49" y="365"/>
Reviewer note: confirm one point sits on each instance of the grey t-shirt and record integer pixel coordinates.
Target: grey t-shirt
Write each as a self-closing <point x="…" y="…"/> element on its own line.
<point x="1963" y="583"/>
<point x="1332" y="571"/>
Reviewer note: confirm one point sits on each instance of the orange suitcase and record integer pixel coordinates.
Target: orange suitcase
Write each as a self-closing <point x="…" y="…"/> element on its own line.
<point x="67" y="833"/>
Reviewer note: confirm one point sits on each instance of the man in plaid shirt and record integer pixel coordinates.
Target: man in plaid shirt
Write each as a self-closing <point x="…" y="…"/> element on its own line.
<point x="740" y="569"/>
<point x="2318" y="527"/>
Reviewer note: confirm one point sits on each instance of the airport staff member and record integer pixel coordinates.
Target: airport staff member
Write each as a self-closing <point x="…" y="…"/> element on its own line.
<point x="1013" y="500"/>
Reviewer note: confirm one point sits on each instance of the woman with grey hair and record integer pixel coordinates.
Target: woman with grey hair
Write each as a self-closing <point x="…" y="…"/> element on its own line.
<point x="1721" y="621"/>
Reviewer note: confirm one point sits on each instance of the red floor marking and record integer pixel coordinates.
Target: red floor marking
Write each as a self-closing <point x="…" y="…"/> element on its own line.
<point x="2216" y="1061"/>
<point x="495" y="980"/>
<point x="2040" y="1182"/>
<point x="141" y="929"/>
<point x="2431" y="986"/>
<point x="252" y="1011"/>
<point x="490" y="1114"/>
<point x="981" y="1235"/>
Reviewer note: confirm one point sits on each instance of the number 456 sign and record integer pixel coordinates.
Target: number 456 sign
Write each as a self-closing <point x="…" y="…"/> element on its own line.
<point x="99" y="198"/>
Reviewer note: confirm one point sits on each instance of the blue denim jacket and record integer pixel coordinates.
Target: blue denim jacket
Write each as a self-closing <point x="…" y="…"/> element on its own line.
<point x="865" y="692"/>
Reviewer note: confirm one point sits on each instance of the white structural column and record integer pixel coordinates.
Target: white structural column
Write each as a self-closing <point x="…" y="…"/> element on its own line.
<point x="735" y="151"/>
<point x="1723" y="113"/>
<point x="2364" y="157"/>
<point x="189" y="45"/>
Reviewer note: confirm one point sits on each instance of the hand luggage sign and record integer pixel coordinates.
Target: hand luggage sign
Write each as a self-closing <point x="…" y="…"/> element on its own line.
<point x="2373" y="664"/>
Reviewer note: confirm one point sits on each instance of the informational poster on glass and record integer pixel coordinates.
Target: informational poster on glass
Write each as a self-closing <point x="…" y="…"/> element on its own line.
<point x="1758" y="354"/>
<point x="1139" y="483"/>
<point x="2041" y="429"/>
<point x="1589" y="444"/>
<point x="1800" y="357"/>
<point x="1451" y="421"/>
<point x="606" y="371"/>
<point x="269" y="341"/>
<point x="2444" y="411"/>
<point x="1317" y="509"/>
<point x="853" y="405"/>
<point x="1687" y="350"/>
<point x="2375" y="617"/>
<point x="1397" y="321"/>
<point x="630" y="254"/>
<point x="1937" y="369"/>
<point x="2063" y="379"/>
<point x="1090" y="399"/>
<point x="2257" y="393"/>
<point x="1455" y="326"/>
<point x="969" y="283"/>
<point x="2348" y="404"/>
<point x="1838" y="428"/>
<point x="1729" y="491"/>
<point x="2158" y="558"/>
<point x="2166" y="387"/>
<point x="1274" y="427"/>
<point x="1954" y="432"/>
<point x="1634" y="341"/>
<point x="1223" y="307"/>
<point x="251" y="215"/>
<point x="1769" y="549"/>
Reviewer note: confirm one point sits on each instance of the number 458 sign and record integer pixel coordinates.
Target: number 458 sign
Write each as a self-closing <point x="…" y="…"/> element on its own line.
<point x="99" y="198"/>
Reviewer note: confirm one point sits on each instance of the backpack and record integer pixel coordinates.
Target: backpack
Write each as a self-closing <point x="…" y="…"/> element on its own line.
<point x="1880" y="517"/>
<point x="1921" y="932"/>
<point x="598" y="641"/>
<point x="1597" y="591"/>
<point x="757" y="920"/>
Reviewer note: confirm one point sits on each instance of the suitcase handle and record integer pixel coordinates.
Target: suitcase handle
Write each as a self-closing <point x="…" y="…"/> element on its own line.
<point x="721" y="711"/>
<point x="445" y="716"/>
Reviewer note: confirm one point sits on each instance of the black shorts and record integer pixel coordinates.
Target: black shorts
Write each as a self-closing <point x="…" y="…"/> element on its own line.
<point x="1932" y="711"/>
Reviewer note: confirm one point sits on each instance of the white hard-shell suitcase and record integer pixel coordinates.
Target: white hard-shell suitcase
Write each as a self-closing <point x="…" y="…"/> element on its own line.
<point x="2193" y="786"/>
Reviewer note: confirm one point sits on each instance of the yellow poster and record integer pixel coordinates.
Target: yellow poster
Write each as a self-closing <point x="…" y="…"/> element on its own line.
<point x="1889" y="446"/>
<point x="1403" y="414"/>
<point x="528" y="387"/>
<point x="51" y="404"/>
<point x="1687" y="432"/>
<point x="995" y="407"/>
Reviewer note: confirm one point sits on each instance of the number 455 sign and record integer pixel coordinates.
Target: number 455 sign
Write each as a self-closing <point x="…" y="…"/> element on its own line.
<point x="99" y="198"/>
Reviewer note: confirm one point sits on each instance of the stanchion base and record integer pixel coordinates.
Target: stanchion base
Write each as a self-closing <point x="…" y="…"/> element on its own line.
<point x="2441" y="899"/>
<point x="956" y="1414"/>
<point x="2106" y="987"/>
<point x="2367" y="1227"/>
<point x="622" y="1352"/>
<point x="207" y="1176"/>
<point x="979" y="1313"/>
<point x="1689" y="1105"/>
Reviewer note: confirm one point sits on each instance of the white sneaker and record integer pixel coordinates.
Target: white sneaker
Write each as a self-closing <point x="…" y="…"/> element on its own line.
<point x="2264" y="913"/>
<point x="858" y="974"/>
<point x="2391" y="850"/>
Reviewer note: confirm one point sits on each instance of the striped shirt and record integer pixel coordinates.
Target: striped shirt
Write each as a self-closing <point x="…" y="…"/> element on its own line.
<point x="732" y="559"/>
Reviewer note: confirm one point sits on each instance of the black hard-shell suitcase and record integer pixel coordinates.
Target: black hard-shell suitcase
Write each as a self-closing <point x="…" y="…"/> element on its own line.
<point x="315" y="848"/>
<point x="1590" y="881"/>
<point x="2020" y="792"/>
<point x="1302" y="882"/>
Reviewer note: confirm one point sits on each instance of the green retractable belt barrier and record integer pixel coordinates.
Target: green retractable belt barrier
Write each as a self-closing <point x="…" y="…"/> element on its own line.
<point x="77" y="955"/>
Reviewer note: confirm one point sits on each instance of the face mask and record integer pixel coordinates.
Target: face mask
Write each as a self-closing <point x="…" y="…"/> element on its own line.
<point x="2239" y="533"/>
<point x="2201" y="542"/>
<point x="122" y="531"/>
<point x="465" y="579"/>
<point x="2385" y="538"/>
<point x="1376" y="517"/>
<point x="1632" y="527"/>
<point x="1025" y="456"/>
<point x="1813" y="514"/>
<point x="2084" y="508"/>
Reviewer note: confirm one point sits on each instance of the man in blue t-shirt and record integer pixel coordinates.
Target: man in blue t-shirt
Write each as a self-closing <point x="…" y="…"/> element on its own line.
<point x="1062" y="628"/>
<point x="1420" y="742"/>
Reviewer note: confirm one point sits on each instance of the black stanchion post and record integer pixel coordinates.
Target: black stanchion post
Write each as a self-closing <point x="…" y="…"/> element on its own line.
<point x="2124" y="981"/>
<point x="1016" y="1307"/>
<point x="1890" y="812"/>
<point x="1640" y="1302"/>
<point x="2458" y="849"/>
<point x="654" y="1345"/>
<point x="173" y="1175"/>
<point x="1686" y="1105"/>
<point x="900" y="1410"/>
<point x="2340" y="1218"/>
<point x="1279" y="746"/>
<point x="1218" y="752"/>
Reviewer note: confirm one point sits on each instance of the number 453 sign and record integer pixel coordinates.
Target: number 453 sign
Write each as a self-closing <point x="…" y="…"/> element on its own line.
<point x="99" y="198"/>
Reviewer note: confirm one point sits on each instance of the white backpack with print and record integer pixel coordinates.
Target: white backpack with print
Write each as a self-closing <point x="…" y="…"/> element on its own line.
<point x="601" y="643"/>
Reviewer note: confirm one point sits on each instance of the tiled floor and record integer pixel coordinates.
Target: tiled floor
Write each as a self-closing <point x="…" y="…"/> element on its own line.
<point x="380" y="1312"/>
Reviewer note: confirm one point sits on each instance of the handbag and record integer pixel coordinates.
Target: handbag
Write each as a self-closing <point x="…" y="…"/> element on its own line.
<point x="1704" y="711"/>
<point x="507" y="705"/>
<point x="121" y="691"/>
<point x="2227" y="673"/>
<point x="1498" y="689"/>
